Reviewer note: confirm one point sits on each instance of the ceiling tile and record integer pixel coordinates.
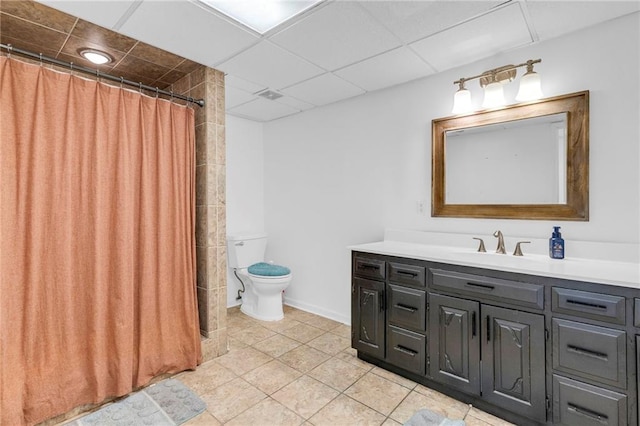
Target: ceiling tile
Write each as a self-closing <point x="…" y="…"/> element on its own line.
<point x="295" y="103"/>
<point x="323" y="90"/>
<point x="388" y="69"/>
<point x="413" y="20"/>
<point x="234" y="97"/>
<point x="336" y="35"/>
<point x="262" y="110"/>
<point x="104" y="13"/>
<point x="29" y="33"/>
<point x="266" y="63"/>
<point x="102" y="36"/>
<point x="553" y="18"/>
<point x="239" y="83"/>
<point x="198" y="34"/>
<point x="39" y="14"/>
<point x="500" y="30"/>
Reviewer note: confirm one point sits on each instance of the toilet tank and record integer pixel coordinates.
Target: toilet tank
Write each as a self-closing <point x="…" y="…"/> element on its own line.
<point x="243" y="250"/>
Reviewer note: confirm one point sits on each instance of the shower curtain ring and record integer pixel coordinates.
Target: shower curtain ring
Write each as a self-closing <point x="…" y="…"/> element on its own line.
<point x="40" y="59"/>
<point x="98" y="76"/>
<point x="10" y="49"/>
<point x="157" y="91"/>
<point x="140" y="87"/>
<point x="121" y="81"/>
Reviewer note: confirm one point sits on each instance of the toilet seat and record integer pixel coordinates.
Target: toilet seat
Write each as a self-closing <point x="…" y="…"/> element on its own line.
<point x="268" y="270"/>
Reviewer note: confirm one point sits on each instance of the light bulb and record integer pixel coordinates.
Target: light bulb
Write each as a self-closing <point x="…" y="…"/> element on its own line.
<point x="529" y="87"/>
<point x="462" y="102"/>
<point x="493" y="95"/>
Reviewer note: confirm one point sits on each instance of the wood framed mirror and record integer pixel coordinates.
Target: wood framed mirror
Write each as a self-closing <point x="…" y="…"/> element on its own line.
<point x="527" y="161"/>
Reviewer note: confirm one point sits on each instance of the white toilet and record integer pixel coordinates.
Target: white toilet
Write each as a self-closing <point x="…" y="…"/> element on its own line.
<point x="264" y="282"/>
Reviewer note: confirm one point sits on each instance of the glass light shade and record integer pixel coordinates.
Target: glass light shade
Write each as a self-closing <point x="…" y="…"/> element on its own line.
<point x="530" y="89"/>
<point x="462" y="102"/>
<point x="493" y="95"/>
<point x="95" y="56"/>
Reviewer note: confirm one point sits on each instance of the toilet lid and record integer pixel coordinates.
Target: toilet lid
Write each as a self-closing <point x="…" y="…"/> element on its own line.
<point x="268" y="270"/>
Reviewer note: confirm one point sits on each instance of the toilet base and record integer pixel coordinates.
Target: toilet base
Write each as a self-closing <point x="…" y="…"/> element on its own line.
<point x="273" y="313"/>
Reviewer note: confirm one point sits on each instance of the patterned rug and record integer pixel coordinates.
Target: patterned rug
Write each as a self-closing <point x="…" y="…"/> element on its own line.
<point x="166" y="403"/>
<point x="426" y="417"/>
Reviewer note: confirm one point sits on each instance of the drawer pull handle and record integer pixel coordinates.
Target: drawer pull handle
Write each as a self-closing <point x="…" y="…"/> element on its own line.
<point x="587" y="352"/>
<point x="473" y="324"/>
<point x="368" y="266"/>
<point x="588" y="413"/>
<point x="409" y="273"/>
<point x="404" y="350"/>
<point x="406" y="308"/>
<point x="482" y="286"/>
<point x="586" y="304"/>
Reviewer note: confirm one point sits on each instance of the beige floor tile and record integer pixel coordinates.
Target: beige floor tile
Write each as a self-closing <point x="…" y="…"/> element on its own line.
<point x="487" y="418"/>
<point x="443" y="404"/>
<point x="235" y="343"/>
<point x="271" y="376"/>
<point x="242" y="360"/>
<point x="304" y="358"/>
<point x="391" y="422"/>
<point x="407" y="408"/>
<point x="253" y="334"/>
<point x="207" y="377"/>
<point x="267" y="412"/>
<point x="345" y="411"/>
<point x="232" y="398"/>
<point x="280" y="326"/>
<point x="343" y="331"/>
<point x="402" y="381"/>
<point x="300" y="315"/>
<point x="238" y="321"/>
<point x="305" y="396"/>
<point x="378" y="393"/>
<point x="276" y="345"/>
<point x="337" y="373"/>
<point x="204" y="419"/>
<point x="349" y="355"/>
<point x="322" y="323"/>
<point x="303" y="332"/>
<point x="330" y="343"/>
<point x="472" y="421"/>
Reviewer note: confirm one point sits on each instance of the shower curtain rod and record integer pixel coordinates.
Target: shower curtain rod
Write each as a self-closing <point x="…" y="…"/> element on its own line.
<point x="43" y="58"/>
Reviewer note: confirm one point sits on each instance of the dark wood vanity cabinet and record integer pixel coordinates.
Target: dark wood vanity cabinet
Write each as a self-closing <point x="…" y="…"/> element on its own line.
<point x="530" y="349"/>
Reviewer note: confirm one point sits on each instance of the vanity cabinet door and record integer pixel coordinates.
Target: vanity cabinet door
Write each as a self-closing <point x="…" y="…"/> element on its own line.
<point x="454" y="347"/>
<point x="513" y="366"/>
<point x="367" y="311"/>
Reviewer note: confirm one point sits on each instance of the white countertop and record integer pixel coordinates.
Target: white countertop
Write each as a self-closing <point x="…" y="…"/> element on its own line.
<point x="625" y="274"/>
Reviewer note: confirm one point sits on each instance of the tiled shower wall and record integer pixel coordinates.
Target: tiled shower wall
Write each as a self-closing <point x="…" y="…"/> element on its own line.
<point x="208" y="84"/>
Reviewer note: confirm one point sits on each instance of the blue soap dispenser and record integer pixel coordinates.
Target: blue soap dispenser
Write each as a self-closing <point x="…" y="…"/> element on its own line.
<point x="556" y="244"/>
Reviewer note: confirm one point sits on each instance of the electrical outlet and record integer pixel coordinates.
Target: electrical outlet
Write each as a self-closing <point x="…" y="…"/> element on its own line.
<point x="420" y="206"/>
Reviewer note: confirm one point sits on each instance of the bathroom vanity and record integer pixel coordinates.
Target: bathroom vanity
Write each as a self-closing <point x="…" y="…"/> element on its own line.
<point x="532" y="340"/>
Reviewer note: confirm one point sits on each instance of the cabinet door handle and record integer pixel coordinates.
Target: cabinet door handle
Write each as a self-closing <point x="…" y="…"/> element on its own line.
<point x="405" y="351"/>
<point x="409" y="273"/>
<point x="406" y="308"/>
<point x="488" y="328"/>
<point x="587" y="352"/>
<point x="602" y="418"/>
<point x="482" y="286"/>
<point x="587" y="304"/>
<point x="473" y="324"/>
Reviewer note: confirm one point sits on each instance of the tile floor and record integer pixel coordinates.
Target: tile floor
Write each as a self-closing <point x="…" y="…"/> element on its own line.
<point x="302" y="370"/>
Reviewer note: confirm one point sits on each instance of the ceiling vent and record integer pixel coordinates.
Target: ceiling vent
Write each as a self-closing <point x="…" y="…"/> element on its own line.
<point x="269" y="94"/>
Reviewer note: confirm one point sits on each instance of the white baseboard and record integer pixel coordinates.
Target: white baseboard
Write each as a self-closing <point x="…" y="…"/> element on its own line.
<point x="318" y="310"/>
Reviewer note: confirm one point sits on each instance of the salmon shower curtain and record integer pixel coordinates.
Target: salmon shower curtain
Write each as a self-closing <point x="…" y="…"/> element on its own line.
<point x="97" y="260"/>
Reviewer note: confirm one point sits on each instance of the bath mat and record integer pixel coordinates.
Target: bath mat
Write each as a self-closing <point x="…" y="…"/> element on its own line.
<point x="166" y="403"/>
<point x="426" y="417"/>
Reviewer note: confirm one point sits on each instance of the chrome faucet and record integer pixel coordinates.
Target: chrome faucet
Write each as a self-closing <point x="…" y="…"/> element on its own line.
<point x="500" y="249"/>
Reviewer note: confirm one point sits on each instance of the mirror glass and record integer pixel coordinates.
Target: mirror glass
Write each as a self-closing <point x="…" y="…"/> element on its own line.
<point x="526" y="161"/>
<point x="515" y="162"/>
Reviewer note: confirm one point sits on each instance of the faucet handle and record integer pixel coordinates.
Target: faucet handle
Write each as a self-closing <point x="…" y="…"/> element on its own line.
<point x="481" y="248"/>
<point x="518" y="250"/>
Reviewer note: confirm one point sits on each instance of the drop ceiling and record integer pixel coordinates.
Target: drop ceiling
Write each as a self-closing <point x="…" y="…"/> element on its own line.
<point x="338" y="49"/>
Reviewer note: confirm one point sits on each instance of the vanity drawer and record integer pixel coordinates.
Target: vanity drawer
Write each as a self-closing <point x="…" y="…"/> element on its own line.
<point x="406" y="274"/>
<point x="513" y="292"/>
<point x="406" y="349"/>
<point x="636" y="312"/>
<point x="369" y="268"/>
<point x="407" y="307"/>
<point x="577" y="403"/>
<point x="591" y="352"/>
<point x="597" y="306"/>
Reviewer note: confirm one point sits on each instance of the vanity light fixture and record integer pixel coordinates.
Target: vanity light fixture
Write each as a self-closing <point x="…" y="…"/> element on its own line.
<point x="492" y="82"/>
<point x="95" y="56"/>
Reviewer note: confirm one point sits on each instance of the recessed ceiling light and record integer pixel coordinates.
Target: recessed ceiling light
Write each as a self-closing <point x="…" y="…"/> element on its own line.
<point x="95" y="56"/>
<point x="261" y="15"/>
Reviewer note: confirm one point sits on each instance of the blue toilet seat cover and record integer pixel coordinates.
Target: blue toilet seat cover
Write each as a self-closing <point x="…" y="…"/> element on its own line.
<point x="268" y="270"/>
